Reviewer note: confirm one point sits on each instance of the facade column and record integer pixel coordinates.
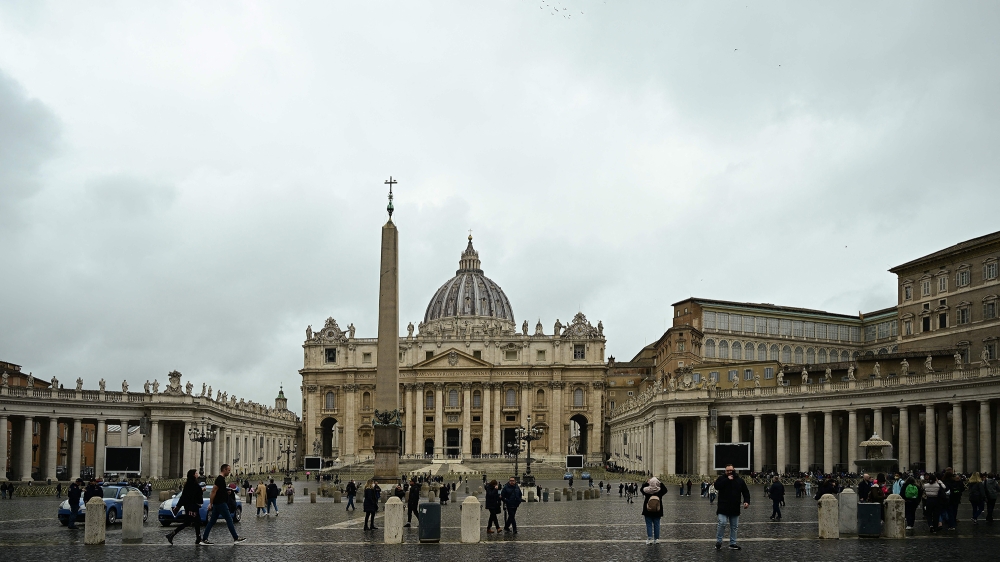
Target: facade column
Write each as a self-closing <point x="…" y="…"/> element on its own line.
<point x="155" y="448"/>
<point x="804" y="452"/>
<point x="26" y="449"/>
<point x="852" y="440"/>
<point x="408" y="408"/>
<point x="671" y="446"/>
<point x="659" y="448"/>
<point x="124" y="434"/>
<point x="930" y="447"/>
<point x="703" y="444"/>
<point x="970" y="443"/>
<point x="3" y="448"/>
<point x="487" y="440"/>
<point x="467" y="419"/>
<point x="957" y="438"/>
<point x="828" y="442"/>
<point x="438" y="419"/>
<point x="100" y="441"/>
<point x="877" y="423"/>
<point x="497" y="432"/>
<point x="187" y="457"/>
<point x="50" y="449"/>
<point x="351" y="428"/>
<point x="943" y="448"/>
<point x="418" y="418"/>
<point x="76" y="446"/>
<point x="780" y="452"/>
<point x="904" y="439"/>
<point x="758" y="443"/>
<point x="985" y="438"/>
<point x="555" y="420"/>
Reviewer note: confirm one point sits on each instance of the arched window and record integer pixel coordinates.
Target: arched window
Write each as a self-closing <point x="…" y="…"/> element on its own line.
<point x="737" y="350"/>
<point x="786" y="354"/>
<point x="477" y="399"/>
<point x="761" y="352"/>
<point x="749" y="352"/>
<point x="578" y="397"/>
<point x="331" y="401"/>
<point x="511" y="398"/>
<point x="710" y="349"/>
<point x="429" y="400"/>
<point x="366" y="401"/>
<point x="798" y="355"/>
<point x="453" y="398"/>
<point x="822" y="356"/>
<point x="723" y="350"/>
<point x="540" y="397"/>
<point x="774" y="353"/>
<point x="810" y="356"/>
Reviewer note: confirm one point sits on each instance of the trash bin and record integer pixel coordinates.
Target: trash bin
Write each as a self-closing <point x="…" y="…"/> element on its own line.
<point x="430" y="522"/>
<point x="869" y="520"/>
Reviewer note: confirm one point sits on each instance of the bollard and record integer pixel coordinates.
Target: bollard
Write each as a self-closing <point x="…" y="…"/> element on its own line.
<point x="569" y="495"/>
<point x="471" y="520"/>
<point x="96" y="514"/>
<point x="557" y="495"/>
<point x="531" y="495"/>
<point x="337" y="496"/>
<point x="132" y="505"/>
<point x="466" y="490"/>
<point x="848" y="512"/>
<point x="597" y="493"/>
<point x="312" y="497"/>
<point x="395" y="516"/>
<point x="579" y="494"/>
<point x="895" y="517"/>
<point x="545" y="495"/>
<point x="829" y="517"/>
<point x="305" y="491"/>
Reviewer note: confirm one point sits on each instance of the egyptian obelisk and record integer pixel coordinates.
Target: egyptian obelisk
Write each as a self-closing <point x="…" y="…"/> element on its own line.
<point x="387" y="420"/>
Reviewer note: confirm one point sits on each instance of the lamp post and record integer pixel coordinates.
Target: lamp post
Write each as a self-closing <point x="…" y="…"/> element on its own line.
<point x="515" y="448"/>
<point x="528" y="435"/>
<point x="202" y="435"/>
<point x="288" y="451"/>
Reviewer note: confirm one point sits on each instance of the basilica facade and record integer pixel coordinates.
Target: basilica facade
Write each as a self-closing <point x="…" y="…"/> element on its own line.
<point x="468" y="378"/>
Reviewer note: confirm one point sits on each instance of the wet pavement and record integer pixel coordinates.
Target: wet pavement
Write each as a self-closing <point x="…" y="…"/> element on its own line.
<point x="602" y="529"/>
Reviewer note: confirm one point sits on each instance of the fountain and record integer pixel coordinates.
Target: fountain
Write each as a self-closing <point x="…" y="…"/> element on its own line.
<point x="875" y="461"/>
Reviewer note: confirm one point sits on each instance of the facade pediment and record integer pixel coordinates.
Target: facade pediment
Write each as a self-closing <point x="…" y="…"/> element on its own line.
<point x="452" y="359"/>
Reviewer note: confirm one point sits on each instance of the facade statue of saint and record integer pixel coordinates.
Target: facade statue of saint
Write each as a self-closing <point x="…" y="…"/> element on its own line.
<point x="350" y="330"/>
<point x="929" y="364"/>
<point x="671" y="384"/>
<point x="3" y="379"/>
<point x="756" y="380"/>
<point x="54" y="383"/>
<point x="317" y="447"/>
<point x="31" y="380"/>
<point x="147" y="386"/>
<point x="125" y="386"/>
<point x="600" y="328"/>
<point x="781" y="378"/>
<point x="828" y="375"/>
<point x="538" y="329"/>
<point x="202" y="389"/>
<point x="850" y="372"/>
<point x="985" y="356"/>
<point x="904" y="367"/>
<point x="100" y="384"/>
<point x="156" y="386"/>
<point x="736" y="382"/>
<point x="79" y="383"/>
<point x="309" y="332"/>
<point x="409" y="330"/>
<point x="524" y="328"/>
<point x="958" y="360"/>
<point x="805" y="376"/>
<point x="877" y="370"/>
<point x="557" y="329"/>
<point x="189" y="388"/>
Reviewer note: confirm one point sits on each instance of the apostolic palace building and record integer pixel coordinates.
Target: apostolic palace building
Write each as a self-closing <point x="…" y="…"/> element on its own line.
<point x="805" y="387"/>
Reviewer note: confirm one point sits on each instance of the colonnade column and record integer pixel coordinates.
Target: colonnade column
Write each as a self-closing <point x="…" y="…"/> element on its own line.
<point x="852" y="439"/>
<point x="438" y="421"/>
<point x="779" y="446"/>
<point x="123" y="436"/>
<point x="76" y="446"/>
<point x="957" y="437"/>
<point x="555" y="421"/>
<point x="758" y="443"/>
<point x="930" y="447"/>
<point x="659" y="446"/>
<point x="671" y="446"/>
<point x="876" y="423"/>
<point x="904" y="438"/>
<point x="155" y="448"/>
<point x="703" y="443"/>
<point x="418" y="419"/>
<point x="3" y="448"/>
<point x="26" y="449"/>
<point x="408" y="408"/>
<point x="804" y="442"/>
<point x="351" y="428"/>
<point x="50" y="449"/>
<point x="828" y="442"/>
<point x="467" y="419"/>
<point x="100" y="439"/>
<point x="486" y="439"/>
<point x="497" y="433"/>
<point x="985" y="438"/>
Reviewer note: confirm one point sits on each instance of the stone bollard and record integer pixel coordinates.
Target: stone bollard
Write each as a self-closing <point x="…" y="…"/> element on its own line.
<point x="471" y="520"/>
<point x="557" y="495"/>
<point x="829" y="517"/>
<point x="165" y="495"/>
<point x="848" y="512"/>
<point x="579" y="494"/>
<point x="545" y="495"/>
<point x="586" y="494"/>
<point x="312" y="497"/>
<point x="337" y="496"/>
<point x="132" y="505"/>
<point x="466" y="490"/>
<point x="895" y="517"/>
<point x="568" y="494"/>
<point x="531" y="495"/>
<point x="96" y="518"/>
<point x="305" y="491"/>
<point x="597" y="493"/>
<point x="395" y="516"/>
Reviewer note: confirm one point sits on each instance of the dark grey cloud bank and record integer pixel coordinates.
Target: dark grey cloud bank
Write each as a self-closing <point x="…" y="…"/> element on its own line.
<point x="187" y="187"/>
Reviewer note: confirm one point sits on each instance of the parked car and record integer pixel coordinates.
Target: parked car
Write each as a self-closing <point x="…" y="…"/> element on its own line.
<point x="166" y="511"/>
<point x="113" y="496"/>
<point x="568" y="476"/>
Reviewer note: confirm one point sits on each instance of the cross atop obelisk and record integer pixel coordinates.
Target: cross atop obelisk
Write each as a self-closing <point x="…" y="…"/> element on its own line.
<point x="386" y="416"/>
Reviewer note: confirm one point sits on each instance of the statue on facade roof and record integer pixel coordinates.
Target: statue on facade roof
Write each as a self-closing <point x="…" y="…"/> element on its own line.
<point x="929" y="364"/>
<point x="350" y="330"/>
<point x="600" y="328"/>
<point x="309" y="332"/>
<point x="985" y="356"/>
<point x="31" y="380"/>
<point x="79" y="383"/>
<point x="557" y="329"/>
<point x="188" y="388"/>
<point x="409" y="330"/>
<point x="538" y="328"/>
<point x="100" y="384"/>
<point x="209" y="394"/>
<point x="850" y="372"/>
<point x="125" y="386"/>
<point x="146" y="387"/>
<point x="524" y="328"/>
<point x="904" y="367"/>
<point x="202" y="390"/>
<point x="156" y="386"/>
<point x="877" y="370"/>
<point x="3" y="379"/>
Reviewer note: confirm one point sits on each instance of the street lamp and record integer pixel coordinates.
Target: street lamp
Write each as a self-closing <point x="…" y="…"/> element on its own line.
<point x="288" y="451"/>
<point x="202" y="435"/>
<point x="528" y="435"/>
<point x="514" y="447"/>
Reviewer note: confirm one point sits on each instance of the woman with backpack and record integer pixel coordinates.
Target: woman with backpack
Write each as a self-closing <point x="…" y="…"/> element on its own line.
<point x="935" y="496"/>
<point x="911" y="493"/>
<point x="977" y="496"/>
<point x="652" y="508"/>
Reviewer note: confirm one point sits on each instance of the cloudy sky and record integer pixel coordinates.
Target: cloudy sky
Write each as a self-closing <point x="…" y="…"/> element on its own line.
<point x="188" y="185"/>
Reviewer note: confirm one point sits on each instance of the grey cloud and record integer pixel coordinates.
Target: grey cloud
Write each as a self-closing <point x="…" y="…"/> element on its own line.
<point x="29" y="136"/>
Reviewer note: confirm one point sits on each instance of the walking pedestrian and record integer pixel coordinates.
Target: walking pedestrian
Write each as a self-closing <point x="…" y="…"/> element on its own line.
<point x="712" y="493"/>
<point x="220" y="504"/>
<point x="445" y="494"/>
<point x="272" y="497"/>
<point x="621" y="489"/>
<point x="911" y="496"/>
<point x="261" y="493"/>
<point x="934" y="501"/>
<point x="777" y="494"/>
<point x="412" y="502"/>
<point x="59" y="490"/>
<point x="730" y="487"/>
<point x="992" y="492"/>
<point x="652" y="508"/>
<point x="955" y="488"/>
<point x="689" y="487"/>
<point x="977" y="496"/>
<point x="512" y="498"/>
<point x="371" y="503"/>
<point x="73" y="496"/>
<point x="290" y="493"/>
<point x="352" y="490"/>
<point x="190" y="501"/>
<point x="493" y="505"/>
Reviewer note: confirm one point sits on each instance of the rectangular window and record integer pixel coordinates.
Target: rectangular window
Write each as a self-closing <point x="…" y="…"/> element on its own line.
<point x="366" y="357"/>
<point x="962" y="278"/>
<point x="809" y="329"/>
<point x="402" y="356"/>
<point x="630" y="393"/>
<point x="723" y="321"/>
<point x="907" y="328"/>
<point x="612" y="404"/>
<point x="942" y="320"/>
<point x="428" y="355"/>
<point x="478" y="354"/>
<point x="870" y="333"/>
<point x="477" y="418"/>
<point x="733" y="374"/>
<point x="540" y="355"/>
<point x="883" y="330"/>
<point x="579" y="351"/>
<point x="477" y="400"/>
<point x="907" y="292"/>
<point x="630" y="382"/>
<point x="990" y="270"/>
<point x="708" y="320"/>
<point x="761" y="324"/>
<point x="925" y="288"/>
<point x="821" y="331"/>
<point x="429" y="401"/>
<point x="511" y="418"/>
<point x="429" y="418"/>
<point x="991" y="350"/>
<point x="714" y="376"/>
<point x="786" y="328"/>
<point x="772" y="326"/>
<point x="942" y="284"/>
<point x="768" y="372"/>
<point x="736" y="323"/>
<point x="989" y="310"/>
<point x="797" y="329"/>
<point x="963" y="315"/>
<point x="850" y="333"/>
<point x="748" y="374"/>
<point x="510" y="355"/>
<point x="696" y="377"/>
<point x="331" y="355"/>
<point x="926" y="324"/>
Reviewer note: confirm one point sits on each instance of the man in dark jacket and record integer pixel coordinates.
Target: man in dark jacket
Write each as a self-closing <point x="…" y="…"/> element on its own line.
<point x="864" y="487"/>
<point x="511" y="497"/>
<point x="730" y="487"/>
<point x="74" y="501"/>
<point x="412" y="502"/>
<point x="777" y="493"/>
<point x="92" y="490"/>
<point x="352" y="490"/>
<point x="272" y="497"/>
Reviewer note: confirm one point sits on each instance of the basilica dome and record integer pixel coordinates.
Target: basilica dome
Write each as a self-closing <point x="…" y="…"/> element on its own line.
<point x="469" y="293"/>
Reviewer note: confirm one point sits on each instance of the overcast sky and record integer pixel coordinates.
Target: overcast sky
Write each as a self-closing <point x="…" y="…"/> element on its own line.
<point x="188" y="185"/>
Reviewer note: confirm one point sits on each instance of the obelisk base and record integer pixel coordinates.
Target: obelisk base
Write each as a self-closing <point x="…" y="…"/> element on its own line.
<point x="386" y="448"/>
